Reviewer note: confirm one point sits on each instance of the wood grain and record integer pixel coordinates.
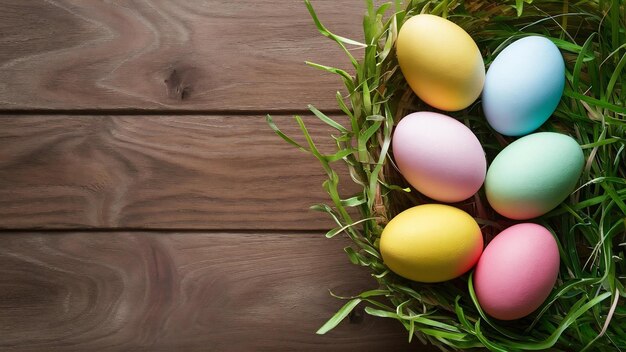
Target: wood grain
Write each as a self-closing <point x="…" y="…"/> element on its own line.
<point x="181" y="292"/>
<point x="191" y="172"/>
<point x="185" y="55"/>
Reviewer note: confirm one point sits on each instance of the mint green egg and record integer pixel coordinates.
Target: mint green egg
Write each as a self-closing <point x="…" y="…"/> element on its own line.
<point x="533" y="175"/>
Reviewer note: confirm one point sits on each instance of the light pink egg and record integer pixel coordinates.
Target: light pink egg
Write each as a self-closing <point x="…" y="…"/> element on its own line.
<point x="517" y="271"/>
<point x="439" y="156"/>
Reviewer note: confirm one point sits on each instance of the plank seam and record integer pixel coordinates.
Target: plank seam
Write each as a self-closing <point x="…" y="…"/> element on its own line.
<point x="165" y="230"/>
<point x="160" y="112"/>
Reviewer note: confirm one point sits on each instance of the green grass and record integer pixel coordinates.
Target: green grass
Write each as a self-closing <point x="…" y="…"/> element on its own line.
<point x="586" y="308"/>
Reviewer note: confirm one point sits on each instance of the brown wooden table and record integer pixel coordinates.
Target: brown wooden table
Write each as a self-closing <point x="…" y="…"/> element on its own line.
<point x="144" y="202"/>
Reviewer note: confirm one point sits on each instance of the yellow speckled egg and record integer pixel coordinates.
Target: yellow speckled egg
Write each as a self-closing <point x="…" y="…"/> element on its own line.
<point x="431" y="243"/>
<point x="440" y="61"/>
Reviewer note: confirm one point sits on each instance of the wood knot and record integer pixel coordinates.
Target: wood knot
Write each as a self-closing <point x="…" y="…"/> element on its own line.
<point x="178" y="84"/>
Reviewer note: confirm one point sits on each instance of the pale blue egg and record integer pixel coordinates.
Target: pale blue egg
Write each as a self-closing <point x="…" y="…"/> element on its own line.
<point x="523" y="86"/>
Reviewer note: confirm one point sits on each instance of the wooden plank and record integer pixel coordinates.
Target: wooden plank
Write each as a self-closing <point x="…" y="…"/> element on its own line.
<point x="183" y="292"/>
<point x="192" y="172"/>
<point x="189" y="55"/>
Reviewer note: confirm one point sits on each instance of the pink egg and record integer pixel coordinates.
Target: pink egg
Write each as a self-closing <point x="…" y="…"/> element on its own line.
<point x="439" y="156"/>
<point x="517" y="271"/>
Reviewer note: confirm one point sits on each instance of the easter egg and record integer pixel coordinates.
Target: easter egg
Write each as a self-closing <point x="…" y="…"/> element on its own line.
<point x="431" y="243"/>
<point x="533" y="175"/>
<point x="524" y="85"/>
<point x="516" y="271"/>
<point x="440" y="62"/>
<point x="439" y="156"/>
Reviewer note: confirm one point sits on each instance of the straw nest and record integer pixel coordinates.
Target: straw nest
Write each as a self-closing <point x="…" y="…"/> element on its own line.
<point x="586" y="307"/>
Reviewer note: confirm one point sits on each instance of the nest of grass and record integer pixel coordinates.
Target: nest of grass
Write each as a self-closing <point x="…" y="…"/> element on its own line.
<point x="585" y="310"/>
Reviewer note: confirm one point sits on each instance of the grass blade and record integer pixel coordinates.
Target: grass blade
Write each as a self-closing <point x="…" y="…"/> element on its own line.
<point x="341" y="314"/>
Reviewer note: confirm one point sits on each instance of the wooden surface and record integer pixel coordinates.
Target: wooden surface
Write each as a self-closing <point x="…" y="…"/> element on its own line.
<point x="191" y="172"/>
<point x="144" y="203"/>
<point x="185" y="54"/>
<point x="178" y="291"/>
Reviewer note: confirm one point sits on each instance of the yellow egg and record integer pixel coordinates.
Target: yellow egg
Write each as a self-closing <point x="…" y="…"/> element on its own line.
<point x="431" y="243"/>
<point x="441" y="62"/>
